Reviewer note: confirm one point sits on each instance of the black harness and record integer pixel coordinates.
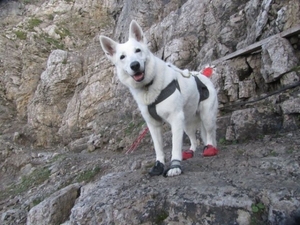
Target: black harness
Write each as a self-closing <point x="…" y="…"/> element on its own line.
<point x="169" y="90"/>
<point x="202" y="89"/>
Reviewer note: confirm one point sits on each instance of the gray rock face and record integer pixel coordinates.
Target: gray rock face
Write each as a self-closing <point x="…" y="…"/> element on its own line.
<point x="278" y="58"/>
<point x="55" y="209"/>
<point x="75" y="94"/>
<point x="152" y="203"/>
<point x="50" y="100"/>
<point x="58" y="91"/>
<point x="206" y="192"/>
<point x="250" y="124"/>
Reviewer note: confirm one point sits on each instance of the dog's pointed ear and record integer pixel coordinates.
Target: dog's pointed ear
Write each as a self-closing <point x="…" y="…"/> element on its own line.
<point x="136" y="32"/>
<point x="109" y="46"/>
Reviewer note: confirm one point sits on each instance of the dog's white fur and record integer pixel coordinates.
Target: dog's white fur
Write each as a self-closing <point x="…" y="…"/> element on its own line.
<point x="181" y="110"/>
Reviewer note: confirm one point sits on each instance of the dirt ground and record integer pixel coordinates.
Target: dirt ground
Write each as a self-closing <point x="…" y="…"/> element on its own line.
<point x="258" y="168"/>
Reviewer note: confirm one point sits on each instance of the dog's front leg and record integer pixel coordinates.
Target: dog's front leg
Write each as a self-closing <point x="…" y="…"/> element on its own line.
<point x="177" y="133"/>
<point x="156" y="134"/>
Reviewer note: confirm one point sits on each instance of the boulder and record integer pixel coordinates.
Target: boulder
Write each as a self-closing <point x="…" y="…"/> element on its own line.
<point x="54" y="209"/>
<point x="50" y="100"/>
<point x="252" y="123"/>
<point x="278" y="61"/>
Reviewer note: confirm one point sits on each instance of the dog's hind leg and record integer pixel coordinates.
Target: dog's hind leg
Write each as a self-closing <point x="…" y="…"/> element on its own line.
<point x="190" y="130"/>
<point x="208" y="114"/>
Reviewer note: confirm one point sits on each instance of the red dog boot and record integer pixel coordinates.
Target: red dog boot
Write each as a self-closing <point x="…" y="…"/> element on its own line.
<point x="209" y="150"/>
<point x="187" y="154"/>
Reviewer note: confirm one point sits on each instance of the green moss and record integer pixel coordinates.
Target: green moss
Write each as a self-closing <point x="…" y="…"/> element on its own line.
<point x="55" y="44"/>
<point x="129" y="128"/>
<point x="50" y="17"/>
<point x="290" y="150"/>
<point x="27" y="2"/>
<point x="37" y="177"/>
<point x="258" y="214"/>
<point x="64" y="61"/>
<point x="63" y="32"/>
<point x="222" y="141"/>
<point x="160" y="217"/>
<point x="87" y="175"/>
<point x="21" y="34"/>
<point x="33" y="22"/>
<point x="37" y="201"/>
<point x="58" y="157"/>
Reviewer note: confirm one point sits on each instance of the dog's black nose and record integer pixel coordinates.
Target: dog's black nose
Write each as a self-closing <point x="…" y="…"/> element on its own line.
<point x="135" y="66"/>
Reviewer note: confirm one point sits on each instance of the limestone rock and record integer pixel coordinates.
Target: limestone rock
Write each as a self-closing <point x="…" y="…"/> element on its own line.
<point x="57" y="85"/>
<point x="151" y="203"/>
<point x="250" y="124"/>
<point x="278" y="58"/>
<point x="291" y="106"/>
<point x="59" y="92"/>
<point x="56" y="208"/>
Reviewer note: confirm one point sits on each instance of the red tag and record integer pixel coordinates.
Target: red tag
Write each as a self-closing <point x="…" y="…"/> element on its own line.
<point x="207" y="71"/>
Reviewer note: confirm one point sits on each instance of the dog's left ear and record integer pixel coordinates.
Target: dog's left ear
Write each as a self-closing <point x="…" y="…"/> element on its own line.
<point x="136" y="32"/>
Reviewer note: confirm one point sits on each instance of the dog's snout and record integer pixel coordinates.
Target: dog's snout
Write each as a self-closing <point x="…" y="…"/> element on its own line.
<point x="135" y="66"/>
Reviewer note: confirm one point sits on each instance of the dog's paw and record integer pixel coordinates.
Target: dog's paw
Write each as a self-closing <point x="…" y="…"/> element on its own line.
<point x="157" y="169"/>
<point x="174" y="170"/>
<point x="209" y="150"/>
<point x="187" y="154"/>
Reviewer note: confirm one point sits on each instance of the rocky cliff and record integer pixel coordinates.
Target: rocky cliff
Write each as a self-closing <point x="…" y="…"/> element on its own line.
<point x="63" y="112"/>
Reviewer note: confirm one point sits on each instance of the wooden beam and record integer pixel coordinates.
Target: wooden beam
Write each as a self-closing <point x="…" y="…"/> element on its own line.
<point x="257" y="46"/>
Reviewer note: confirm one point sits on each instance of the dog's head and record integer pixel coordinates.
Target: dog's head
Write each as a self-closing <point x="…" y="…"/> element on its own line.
<point x="129" y="58"/>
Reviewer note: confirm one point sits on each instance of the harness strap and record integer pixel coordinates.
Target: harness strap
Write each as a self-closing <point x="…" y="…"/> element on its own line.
<point x="203" y="91"/>
<point x="168" y="91"/>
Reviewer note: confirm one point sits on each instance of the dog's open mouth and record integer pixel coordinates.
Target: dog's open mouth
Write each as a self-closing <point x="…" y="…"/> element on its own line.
<point x="138" y="77"/>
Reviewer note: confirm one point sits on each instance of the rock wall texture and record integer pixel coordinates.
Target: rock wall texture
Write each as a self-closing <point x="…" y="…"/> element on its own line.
<point x="58" y="91"/>
<point x="64" y="92"/>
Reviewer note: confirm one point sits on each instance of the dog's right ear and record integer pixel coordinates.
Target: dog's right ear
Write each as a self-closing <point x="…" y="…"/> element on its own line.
<point x="109" y="46"/>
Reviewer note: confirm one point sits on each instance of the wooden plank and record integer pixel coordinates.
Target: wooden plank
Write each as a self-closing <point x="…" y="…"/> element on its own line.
<point x="257" y="46"/>
<point x="290" y="32"/>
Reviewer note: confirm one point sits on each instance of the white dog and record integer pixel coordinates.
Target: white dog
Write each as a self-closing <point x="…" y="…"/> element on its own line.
<point x="186" y="100"/>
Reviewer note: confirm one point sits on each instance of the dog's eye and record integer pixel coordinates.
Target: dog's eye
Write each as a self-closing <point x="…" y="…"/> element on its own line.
<point x="122" y="57"/>
<point x="137" y="50"/>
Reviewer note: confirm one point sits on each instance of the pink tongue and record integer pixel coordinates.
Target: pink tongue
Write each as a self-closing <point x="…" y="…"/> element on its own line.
<point x="138" y="77"/>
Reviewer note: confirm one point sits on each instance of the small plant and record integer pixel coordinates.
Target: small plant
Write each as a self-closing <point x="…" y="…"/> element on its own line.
<point x="50" y="17"/>
<point x="27" y="1"/>
<point x="87" y="175"/>
<point x="33" y="22"/>
<point x="64" y="61"/>
<point x="37" y="201"/>
<point x="21" y="34"/>
<point x="259" y="207"/>
<point x="222" y="141"/>
<point x="290" y="151"/>
<point x="161" y="216"/>
<point x="258" y="211"/>
<point x="63" y="32"/>
<point x="58" y="157"/>
<point x="273" y="153"/>
<point x="129" y="128"/>
<point x="53" y="42"/>
<point x="37" y="177"/>
<point x="240" y="152"/>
